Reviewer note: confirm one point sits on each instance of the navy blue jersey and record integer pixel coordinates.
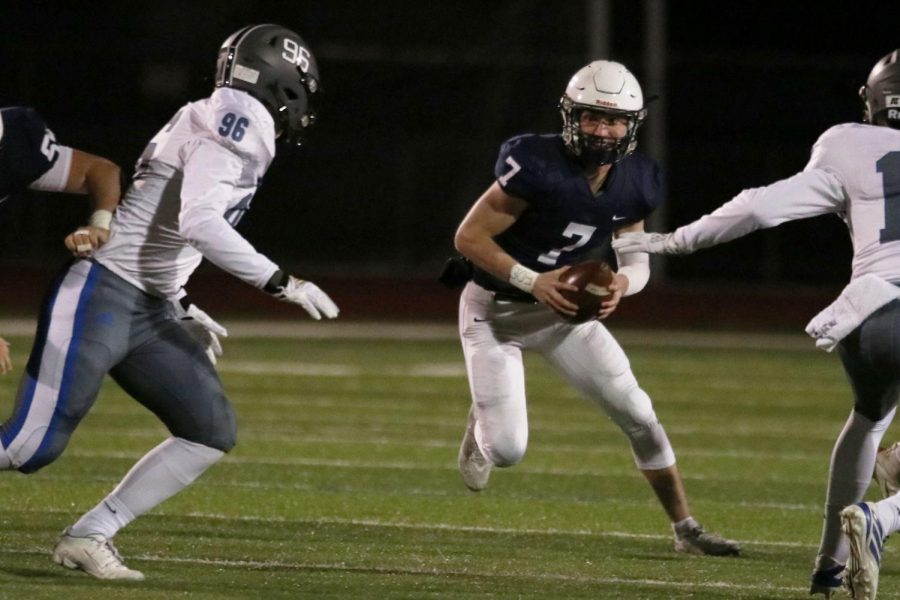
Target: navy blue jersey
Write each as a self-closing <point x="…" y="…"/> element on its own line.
<point x="565" y="221"/>
<point x="27" y="149"/>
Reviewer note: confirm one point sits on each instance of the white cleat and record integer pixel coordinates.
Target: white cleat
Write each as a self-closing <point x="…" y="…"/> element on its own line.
<point x="863" y="530"/>
<point x="473" y="466"/>
<point x="697" y="541"/>
<point x="887" y="470"/>
<point x="95" y="555"/>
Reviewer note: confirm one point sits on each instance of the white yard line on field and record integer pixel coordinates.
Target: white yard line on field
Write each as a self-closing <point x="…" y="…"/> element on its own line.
<point x="439" y="572"/>
<point x="440" y="331"/>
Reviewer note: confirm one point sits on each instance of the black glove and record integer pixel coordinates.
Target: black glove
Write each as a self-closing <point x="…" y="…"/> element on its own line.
<point x="457" y="272"/>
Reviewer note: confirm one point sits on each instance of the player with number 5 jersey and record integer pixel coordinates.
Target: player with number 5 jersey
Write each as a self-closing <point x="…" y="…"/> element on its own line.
<point x="853" y="172"/>
<point x="111" y="314"/>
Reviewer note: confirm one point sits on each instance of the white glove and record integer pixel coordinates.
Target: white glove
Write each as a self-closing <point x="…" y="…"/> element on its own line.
<point x="653" y="243"/>
<point x="309" y="296"/>
<point x="203" y="327"/>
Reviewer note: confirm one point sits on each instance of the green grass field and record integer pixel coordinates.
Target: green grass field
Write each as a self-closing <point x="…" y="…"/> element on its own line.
<point x="344" y="481"/>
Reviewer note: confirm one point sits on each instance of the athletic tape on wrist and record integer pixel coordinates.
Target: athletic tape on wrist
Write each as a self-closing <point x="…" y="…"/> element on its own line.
<point x="101" y="218"/>
<point x="522" y="277"/>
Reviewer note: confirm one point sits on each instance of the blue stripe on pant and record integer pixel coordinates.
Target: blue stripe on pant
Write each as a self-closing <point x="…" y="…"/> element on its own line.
<point x="45" y="454"/>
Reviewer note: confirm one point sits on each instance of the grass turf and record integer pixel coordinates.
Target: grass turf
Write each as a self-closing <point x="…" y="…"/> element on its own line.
<point x="344" y="482"/>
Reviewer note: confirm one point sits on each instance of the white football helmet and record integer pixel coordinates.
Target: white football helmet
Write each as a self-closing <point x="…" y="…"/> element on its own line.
<point x="605" y="86"/>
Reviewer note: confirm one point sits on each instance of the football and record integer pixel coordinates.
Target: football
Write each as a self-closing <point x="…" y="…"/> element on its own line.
<point x="591" y="278"/>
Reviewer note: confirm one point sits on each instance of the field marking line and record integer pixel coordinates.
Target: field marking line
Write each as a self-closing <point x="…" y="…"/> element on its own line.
<point x="437" y="572"/>
<point x="362" y="330"/>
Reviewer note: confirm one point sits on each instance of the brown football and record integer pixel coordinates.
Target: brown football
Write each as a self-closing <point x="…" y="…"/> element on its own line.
<point x="591" y="278"/>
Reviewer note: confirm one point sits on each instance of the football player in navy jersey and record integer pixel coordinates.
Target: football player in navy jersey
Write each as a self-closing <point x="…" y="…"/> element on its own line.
<point x="31" y="158"/>
<point x="556" y="199"/>
<point x="853" y="172"/>
<point x="112" y="314"/>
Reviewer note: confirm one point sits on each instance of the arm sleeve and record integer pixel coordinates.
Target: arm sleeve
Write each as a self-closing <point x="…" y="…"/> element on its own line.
<point x="210" y="175"/>
<point x="808" y="194"/>
<point x="636" y="267"/>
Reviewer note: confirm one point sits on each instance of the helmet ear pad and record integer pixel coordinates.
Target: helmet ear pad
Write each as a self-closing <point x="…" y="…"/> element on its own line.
<point x="294" y="113"/>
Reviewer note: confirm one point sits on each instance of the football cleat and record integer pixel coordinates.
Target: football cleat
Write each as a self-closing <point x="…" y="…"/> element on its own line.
<point x="697" y="541"/>
<point x="95" y="555"/>
<point x="827" y="581"/>
<point x="887" y="470"/>
<point x="863" y="530"/>
<point x="474" y="467"/>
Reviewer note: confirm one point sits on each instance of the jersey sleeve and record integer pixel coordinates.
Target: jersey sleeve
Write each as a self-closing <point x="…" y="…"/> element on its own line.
<point x="57" y="177"/>
<point x="29" y="147"/>
<point x="520" y="170"/>
<point x="829" y="153"/>
<point x="212" y="172"/>
<point x="808" y="194"/>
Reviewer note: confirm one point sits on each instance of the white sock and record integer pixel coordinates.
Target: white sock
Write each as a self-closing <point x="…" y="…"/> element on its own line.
<point x="160" y="474"/>
<point x="849" y="475"/>
<point x="685" y="525"/>
<point x="105" y="519"/>
<point x="888" y="512"/>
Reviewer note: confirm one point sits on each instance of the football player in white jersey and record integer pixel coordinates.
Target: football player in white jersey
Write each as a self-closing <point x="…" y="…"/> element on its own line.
<point x="854" y="172"/>
<point x="31" y="158"/>
<point x="111" y="314"/>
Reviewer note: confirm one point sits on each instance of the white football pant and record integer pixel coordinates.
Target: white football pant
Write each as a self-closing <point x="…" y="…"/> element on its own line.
<point x="494" y="333"/>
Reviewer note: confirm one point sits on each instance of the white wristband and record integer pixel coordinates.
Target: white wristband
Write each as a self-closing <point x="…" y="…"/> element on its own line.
<point x="101" y="218"/>
<point x="522" y="277"/>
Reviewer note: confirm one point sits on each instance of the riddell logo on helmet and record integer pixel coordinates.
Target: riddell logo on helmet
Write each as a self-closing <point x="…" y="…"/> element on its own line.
<point x="892" y="100"/>
<point x="606" y="103"/>
<point x="893" y="113"/>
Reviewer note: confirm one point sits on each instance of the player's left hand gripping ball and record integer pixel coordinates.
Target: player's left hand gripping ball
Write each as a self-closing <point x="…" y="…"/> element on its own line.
<point x="309" y="296"/>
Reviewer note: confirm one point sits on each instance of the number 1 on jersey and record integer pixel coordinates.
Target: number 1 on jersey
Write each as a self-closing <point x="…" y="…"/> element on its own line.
<point x="889" y="167"/>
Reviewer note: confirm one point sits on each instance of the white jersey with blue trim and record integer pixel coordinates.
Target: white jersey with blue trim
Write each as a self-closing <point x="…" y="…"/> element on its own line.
<point x="193" y="183"/>
<point x="854" y="172"/>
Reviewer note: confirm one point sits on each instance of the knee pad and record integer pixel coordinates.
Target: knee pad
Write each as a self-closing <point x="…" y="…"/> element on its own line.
<point x="220" y="433"/>
<point x="631" y="409"/>
<point x="504" y="450"/>
<point x="650" y="447"/>
<point x="50" y="447"/>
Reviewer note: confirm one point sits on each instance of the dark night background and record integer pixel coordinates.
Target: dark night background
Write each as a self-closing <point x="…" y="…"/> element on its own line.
<point x="419" y="96"/>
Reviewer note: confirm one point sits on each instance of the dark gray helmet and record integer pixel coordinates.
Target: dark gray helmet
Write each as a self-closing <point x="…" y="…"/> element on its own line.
<point x="274" y="65"/>
<point x="881" y="94"/>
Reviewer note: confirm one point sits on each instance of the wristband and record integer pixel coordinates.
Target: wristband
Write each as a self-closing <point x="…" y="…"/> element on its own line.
<point x="101" y="218"/>
<point x="277" y="282"/>
<point x="522" y="277"/>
